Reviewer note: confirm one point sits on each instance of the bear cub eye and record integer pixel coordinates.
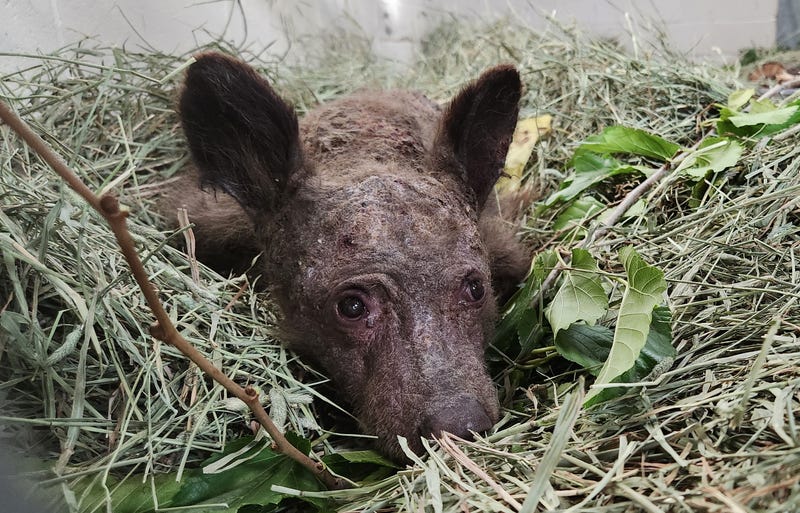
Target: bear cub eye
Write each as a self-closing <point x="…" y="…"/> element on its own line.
<point x="475" y="290"/>
<point x="351" y="308"/>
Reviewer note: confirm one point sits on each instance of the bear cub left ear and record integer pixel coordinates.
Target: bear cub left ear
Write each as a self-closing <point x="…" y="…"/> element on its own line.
<point x="476" y="129"/>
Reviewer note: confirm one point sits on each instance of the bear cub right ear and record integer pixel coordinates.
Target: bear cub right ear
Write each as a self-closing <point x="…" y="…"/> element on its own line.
<point x="243" y="137"/>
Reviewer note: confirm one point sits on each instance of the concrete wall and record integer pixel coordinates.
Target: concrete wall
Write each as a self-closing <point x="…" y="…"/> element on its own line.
<point x="704" y="28"/>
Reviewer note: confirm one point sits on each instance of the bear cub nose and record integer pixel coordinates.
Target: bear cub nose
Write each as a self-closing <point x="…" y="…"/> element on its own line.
<point x="459" y="417"/>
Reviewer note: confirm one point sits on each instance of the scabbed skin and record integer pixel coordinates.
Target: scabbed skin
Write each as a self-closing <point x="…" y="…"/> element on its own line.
<point x="376" y="198"/>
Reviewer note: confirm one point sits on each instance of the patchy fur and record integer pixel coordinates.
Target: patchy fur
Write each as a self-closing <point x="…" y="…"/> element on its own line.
<point x="369" y="213"/>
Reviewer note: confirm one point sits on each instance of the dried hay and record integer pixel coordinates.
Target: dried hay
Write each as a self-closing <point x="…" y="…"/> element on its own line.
<point x="87" y="389"/>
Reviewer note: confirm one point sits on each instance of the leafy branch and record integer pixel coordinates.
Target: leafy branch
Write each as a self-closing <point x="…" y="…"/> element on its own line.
<point x="163" y="329"/>
<point x="641" y="344"/>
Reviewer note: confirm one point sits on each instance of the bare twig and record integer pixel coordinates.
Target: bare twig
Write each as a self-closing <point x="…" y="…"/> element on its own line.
<point x="772" y="91"/>
<point x="163" y="329"/>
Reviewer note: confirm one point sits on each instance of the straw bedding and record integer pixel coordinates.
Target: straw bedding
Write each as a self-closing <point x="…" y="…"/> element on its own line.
<point x="87" y="391"/>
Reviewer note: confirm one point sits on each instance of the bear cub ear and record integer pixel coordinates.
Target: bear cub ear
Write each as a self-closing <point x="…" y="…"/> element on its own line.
<point x="243" y="137"/>
<point x="476" y="129"/>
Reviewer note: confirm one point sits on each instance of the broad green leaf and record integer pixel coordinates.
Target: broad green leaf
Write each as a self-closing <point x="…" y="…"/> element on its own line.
<point x="578" y="211"/>
<point x="589" y="346"/>
<point x="530" y="323"/>
<point x="301" y="444"/>
<point x="590" y="169"/>
<point x="580" y="297"/>
<point x="772" y="117"/>
<point x="587" y="162"/>
<point x="715" y="154"/>
<point x="656" y="356"/>
<point x="762" y="106"/>
<point x="764" y="110"/>
<point x="132" y="495"/>
<point x="244" y="484"/>
<point x="530" y="331"/>
<point x="699" y="191"/>
<point x="738" y="99"/>
<point x="659" y="340"/>
<point x="543" y="265"/>
<point x="248" y="483"/>
<point x="644" y="291"/>
<point x="361" y="466"/>
<point x="369" y="457"/>
<point x="623" y="139"/>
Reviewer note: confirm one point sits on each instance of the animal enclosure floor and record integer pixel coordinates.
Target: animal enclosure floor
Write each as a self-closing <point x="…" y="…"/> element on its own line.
<point x="97" y="403"/>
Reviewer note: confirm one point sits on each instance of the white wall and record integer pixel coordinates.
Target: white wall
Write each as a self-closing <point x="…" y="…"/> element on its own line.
<point x="705" y="28"/>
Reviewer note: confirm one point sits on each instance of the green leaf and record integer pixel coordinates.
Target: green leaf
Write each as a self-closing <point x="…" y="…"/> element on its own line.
<point x="580" y="297"/>
<point x="766" y="117"/>
<point x="715" y="154"/>
<point x="644" y="291"/>
<point x="738" y="99"/>
<point x="361" y="466"/>
<point x="656" y="356"/>
<point x="590" y="169"/>
<point x="300" y="443"/>
<point x="579" y="210"/>
<point x="659" y="340"/>
<point x="761" y="106"/>
<point x="543" y="265"/>
<point x="764" y="111"/>
<point x="587" y="162"/>
<point x="623" y="139"/>
<point x="248" y="482"/>
<point x="530" y="332"/>
<point x="529" y="323"/>
<point x="370" y="457"/>
<point x="699" y="191"/>
<point x="589" y="347"/>
<point x="132" y="495"/>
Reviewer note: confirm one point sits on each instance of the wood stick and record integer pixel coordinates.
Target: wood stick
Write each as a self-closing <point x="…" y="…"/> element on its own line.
<point x="163" y="329"/>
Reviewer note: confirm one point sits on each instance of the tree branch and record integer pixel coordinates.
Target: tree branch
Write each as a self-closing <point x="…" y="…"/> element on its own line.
<point x="600" y="228"/>
<point x="163" y="329"/>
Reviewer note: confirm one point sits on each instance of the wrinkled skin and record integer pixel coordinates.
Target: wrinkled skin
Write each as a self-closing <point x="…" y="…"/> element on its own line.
<point x="369" y="214"/>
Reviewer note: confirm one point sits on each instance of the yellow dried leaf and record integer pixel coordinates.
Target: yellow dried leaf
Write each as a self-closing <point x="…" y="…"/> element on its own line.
<point x="528" y="131"/>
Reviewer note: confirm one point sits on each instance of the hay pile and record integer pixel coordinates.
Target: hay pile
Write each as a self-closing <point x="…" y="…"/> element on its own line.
<point x="85" y="388"/>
